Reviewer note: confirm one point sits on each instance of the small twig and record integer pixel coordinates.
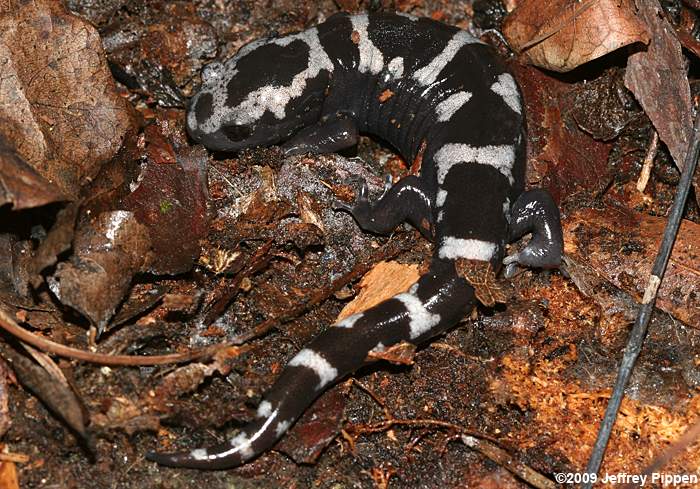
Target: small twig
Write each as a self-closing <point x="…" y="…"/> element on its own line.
<point x="385" y="425"/>
<point x="457" y="351"/>
<point x="17" y="458"/>
<point x="223" y="176"/>
<point x="348" y="438"/>
<point x="506" y="460"/>
<point x="374" y="397"/>
<point x="648" y="162"/>
<point x="636" y="337"/>
<point x="257" y="262"/>
<point x="484" y="444"/>
<point x="9" y="325"/>
<point x="476" y="441"/>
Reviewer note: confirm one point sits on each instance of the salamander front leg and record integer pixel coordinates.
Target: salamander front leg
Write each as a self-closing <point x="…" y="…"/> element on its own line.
<point x="535" y="212"/>
<point x="327" y="136"/>
<point x="405" y="201"/>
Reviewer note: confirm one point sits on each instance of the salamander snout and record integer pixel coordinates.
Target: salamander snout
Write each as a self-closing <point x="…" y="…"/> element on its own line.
<point x="204" y="128"/>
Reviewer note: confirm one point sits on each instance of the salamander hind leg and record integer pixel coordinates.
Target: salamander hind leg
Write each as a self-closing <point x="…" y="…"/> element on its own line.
<point x="535" y="212"/>
<point x="405" y="201"/>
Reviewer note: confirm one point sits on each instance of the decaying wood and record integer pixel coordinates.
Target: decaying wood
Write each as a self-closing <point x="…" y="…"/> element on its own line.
<point x="619" y="246"/>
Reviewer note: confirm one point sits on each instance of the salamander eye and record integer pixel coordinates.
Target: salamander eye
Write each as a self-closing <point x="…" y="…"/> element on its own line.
<point x="237" y="133"/>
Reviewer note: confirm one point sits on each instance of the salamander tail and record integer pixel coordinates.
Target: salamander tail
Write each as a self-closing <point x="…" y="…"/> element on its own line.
<point x="434" y="303"/>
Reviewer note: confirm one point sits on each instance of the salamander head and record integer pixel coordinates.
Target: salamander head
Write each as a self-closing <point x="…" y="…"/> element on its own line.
<point x="270" y="89"/>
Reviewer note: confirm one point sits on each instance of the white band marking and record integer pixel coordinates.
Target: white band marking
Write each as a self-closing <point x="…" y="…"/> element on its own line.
<point x="396" y="67"/>
<point x="371" y="58"/>
<point x="242" y="444"/>
<point x="440" y="198"/>
<point x="429" y="73"/>
<point x="349" y="321"/>
<point x="471" y="249"/>
<point x="199" y="454"/>
<point x="422" y="320"/>
<point x="264" y="409"/>
<point x="500" y="157"/>
<point x="282" y="426"/>
<point x="447" y="108"/>
<point x="310" y="359"/>
<point x="508" y="90"/>
<point x="273" y="98"/>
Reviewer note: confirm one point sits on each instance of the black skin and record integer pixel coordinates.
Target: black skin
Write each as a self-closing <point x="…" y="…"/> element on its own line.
<point x="534" y="211"/>
<point x="327" y="136"/>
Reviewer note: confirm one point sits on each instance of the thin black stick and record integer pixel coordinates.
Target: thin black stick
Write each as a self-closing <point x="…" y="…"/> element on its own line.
<point x="636" y="338"/>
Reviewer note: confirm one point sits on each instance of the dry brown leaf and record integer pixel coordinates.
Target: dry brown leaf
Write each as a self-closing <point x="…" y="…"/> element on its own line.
<point x="20" y="184"/>
<point x="385" y="280"/>
<point x="480" y="275"/>
<point x="399" y="354"/>
<point x="58" y="240"/>
<point x="186" y="379"/>
<point x="317" y="428"/>
<point x="108" y="251"/>
<point x="125" y="414"/>
<point x="47" y="363"/>
<point x="658" y="78"/>
<point x="171" y="201"/>
<point x="560" y="35"/>
<point x="58" y="102"/>
<point x="561" y="157"/>
<point x="57" y="396"/>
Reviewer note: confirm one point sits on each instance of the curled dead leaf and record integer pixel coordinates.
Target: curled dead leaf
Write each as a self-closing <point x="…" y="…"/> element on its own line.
<point x="399" y="354"/>
<point x="317" y="428"/>
<point x="658" y="79"/>
<point x="560" y="35"/>
<point x="308" y="210"/>
<point x="20" y="184"/>
<point x="58" y="101"/>
<point x="56" y="395"/>
<point x="480" y="275"/>
<point x="108" y="252"/>
<point x="561" y="157"/>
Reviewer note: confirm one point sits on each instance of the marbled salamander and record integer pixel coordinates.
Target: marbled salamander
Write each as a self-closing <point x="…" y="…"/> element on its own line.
<point x="424" y="87"/>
